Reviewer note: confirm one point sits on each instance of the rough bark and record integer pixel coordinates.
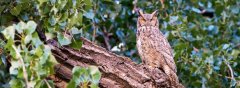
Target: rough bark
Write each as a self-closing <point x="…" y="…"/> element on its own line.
<point x="117" y="71"/>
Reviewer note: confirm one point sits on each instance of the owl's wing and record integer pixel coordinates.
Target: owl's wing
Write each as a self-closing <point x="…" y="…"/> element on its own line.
<point x="167" y="54"/>
<point x="166" y="51"/>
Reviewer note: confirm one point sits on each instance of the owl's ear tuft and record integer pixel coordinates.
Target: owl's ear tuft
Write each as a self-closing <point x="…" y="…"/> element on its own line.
<point x="155" y="13"/>
<point x="140" y="13"/>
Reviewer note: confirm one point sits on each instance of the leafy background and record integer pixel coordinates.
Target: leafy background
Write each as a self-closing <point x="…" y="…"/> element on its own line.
<point x="206" y="50"/>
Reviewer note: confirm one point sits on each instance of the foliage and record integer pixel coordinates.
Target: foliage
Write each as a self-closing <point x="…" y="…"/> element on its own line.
<point x="86" y="77"/>
<point x="206" y="50"/>
<point x="31" y="59"/>
<point x="4" y="76"/>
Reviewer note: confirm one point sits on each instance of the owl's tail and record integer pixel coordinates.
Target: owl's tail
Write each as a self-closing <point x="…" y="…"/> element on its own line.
<point x="173" y="77"/>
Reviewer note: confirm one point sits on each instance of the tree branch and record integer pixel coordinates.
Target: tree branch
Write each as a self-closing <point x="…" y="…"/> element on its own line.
<point x="117" y="71"/>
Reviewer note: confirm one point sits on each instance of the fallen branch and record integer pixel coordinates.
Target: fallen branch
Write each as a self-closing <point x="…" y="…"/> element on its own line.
<point x="117" y="71"/>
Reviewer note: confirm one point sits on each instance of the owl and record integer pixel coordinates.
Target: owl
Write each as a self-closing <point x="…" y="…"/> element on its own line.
<point x="153" y="47"/>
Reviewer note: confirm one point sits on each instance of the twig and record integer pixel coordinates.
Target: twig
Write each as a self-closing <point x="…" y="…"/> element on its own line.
<point x="135" y="8"/>
<point x="94" y="32"/>
<point x="225" y="76"/>
<point x="94" y="24"/>
<point x="47" y="83"/>
<point x="237" y="45"/>
<point x="106" y="38"/>
<point x="162" y="2"/>
<point x="24" y="72"/>
<point x="230" y="68"/>
<point x="110" y="28"/>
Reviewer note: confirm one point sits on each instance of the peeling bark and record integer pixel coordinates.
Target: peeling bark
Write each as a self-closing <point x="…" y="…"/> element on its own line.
<point x="117" y="71"/>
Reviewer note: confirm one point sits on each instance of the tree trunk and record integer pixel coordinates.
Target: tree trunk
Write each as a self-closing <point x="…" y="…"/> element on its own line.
<point x="117" y="71"/>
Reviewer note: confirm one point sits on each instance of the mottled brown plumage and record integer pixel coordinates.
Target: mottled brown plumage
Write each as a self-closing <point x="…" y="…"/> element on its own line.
<point x="153" y="47"/>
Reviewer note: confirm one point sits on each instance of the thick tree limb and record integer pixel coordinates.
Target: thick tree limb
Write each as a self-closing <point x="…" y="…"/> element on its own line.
<point x="117" y="71"/>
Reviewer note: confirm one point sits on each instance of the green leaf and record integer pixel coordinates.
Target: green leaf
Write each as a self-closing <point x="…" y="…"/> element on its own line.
<point x="173" y="19"/>
<point x="27" y="39"/>
<point x="49" y="36"/>
<point x="35" y="40"/>
<point x="225" y="46"/>
<point x="51" y="83"/>
<point x="52" y="20"/>
<point x="233" y="83"/>
<point x="31" y="27"/>
<point x="64" y="17"/>
<point x="71" y="84"/>
<point x="39" y="51"/>
<point x="196" y="10"/>
<point x="17" y="52"/>
<point x="14" y="68"/>
<point x="16" y="10"/>
<point x="235" y="53"/>
<point x="53" y="61"/>
<point x="88" y="4"/>
<point x="43" y="84"/>
<point x="63" y="40"/>
<point x="108" y="1"/>
<point x="20" y="72"/>
<point x="9" y="32"/>
<point x="9" y="44"/>
<point x="96" y="75"/>
<point x="39" y="83"/>
<point x="80" y="18"/>
<point x="42" y="1"/>
<point x="53" y="1"/>
<point x="74" y="30"/>
<point x="94" y="85"/>
<point x="2" y="8"/>
<point x="45" y="56"/>
<point x="76" y="19"/>
<point x="89" y="15"/>
<point x="76" y="44"/>
<point x="15" y="83"/>
<point x="77" y="72"/>
<point x="84" y="76"/>
<point x="20" y="27"/>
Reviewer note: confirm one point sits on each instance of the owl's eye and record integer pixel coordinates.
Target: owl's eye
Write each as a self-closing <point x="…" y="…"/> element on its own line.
<point x="153" y="18"/>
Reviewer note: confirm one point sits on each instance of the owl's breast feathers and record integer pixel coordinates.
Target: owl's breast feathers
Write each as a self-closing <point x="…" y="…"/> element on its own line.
<point x="154" y="48"/>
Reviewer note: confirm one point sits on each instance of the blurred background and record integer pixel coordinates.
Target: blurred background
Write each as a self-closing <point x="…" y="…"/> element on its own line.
<point x="205" y="34"/>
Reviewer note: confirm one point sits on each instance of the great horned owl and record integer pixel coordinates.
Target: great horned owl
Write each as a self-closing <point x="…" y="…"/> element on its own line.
<point x="153" y="47"/>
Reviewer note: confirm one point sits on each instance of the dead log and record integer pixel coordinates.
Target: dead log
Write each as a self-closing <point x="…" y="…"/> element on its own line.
<point x="117" y="71"/>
